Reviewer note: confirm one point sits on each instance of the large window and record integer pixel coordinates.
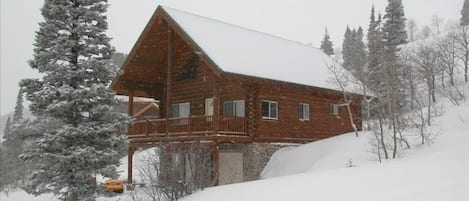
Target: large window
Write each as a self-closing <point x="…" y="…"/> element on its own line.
<point x="304" y="111"/>
<point x="269" y="109"/>
<point x="233" y="108"/>
<point x="180" y="110"/>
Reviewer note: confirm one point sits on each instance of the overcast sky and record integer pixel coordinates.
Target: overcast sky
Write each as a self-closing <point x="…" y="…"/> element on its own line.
<point x="299" y="20"/>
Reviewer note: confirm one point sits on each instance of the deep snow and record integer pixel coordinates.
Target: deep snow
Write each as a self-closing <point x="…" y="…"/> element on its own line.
<point x="317" y="171"/>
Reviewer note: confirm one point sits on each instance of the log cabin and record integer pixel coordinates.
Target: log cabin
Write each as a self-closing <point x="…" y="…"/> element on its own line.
<point x="240" y="93"/>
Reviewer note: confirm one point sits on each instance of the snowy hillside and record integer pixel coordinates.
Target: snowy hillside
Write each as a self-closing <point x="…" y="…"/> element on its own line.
<point x="318" y="171"/>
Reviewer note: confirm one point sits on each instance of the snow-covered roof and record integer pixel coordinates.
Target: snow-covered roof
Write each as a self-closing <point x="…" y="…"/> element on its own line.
<point x="243" y="51"/>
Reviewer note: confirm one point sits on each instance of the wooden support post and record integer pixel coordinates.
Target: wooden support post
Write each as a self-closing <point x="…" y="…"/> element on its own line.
<point x="131" y="103"/>
<point x="130" y="112"/>
<point x="130" y="165"/>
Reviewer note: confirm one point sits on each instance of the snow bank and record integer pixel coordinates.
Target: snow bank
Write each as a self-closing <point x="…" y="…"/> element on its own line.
<point x="431" y="173"/>
<point x="332" y="153"/>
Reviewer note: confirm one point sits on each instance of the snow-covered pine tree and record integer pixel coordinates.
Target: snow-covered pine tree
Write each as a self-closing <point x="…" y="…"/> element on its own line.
<point x="18" y="114"/>
<point x="75" y="125"/>
<point x="347" y="48"/>
<point x="394" y="28"/>
<point x="394" y="35"/>
<point x="359" y="57"/>
<point x="374" y="52"/>
<point x="7" y="129"/>
<point x="376" y="77"/>
<point x="465" y="14"/>
<point x="12" y="147"/>
<point x="326" y="44"/>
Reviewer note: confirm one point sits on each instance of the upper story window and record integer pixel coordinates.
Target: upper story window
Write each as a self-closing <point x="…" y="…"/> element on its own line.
<point x="269" y="109"/>
<point x="181" y="110"/>
<point x="233" y="108"/>
<point x="334" y="109"/>
<point x="304" y="111"/>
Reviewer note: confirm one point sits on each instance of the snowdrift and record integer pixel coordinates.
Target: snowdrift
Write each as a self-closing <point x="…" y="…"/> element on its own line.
<point x="319" y="170"/>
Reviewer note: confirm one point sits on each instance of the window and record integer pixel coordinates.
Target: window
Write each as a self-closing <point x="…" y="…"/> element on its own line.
<point x="334" y="109"/>
<point x="269" y="109"/>
<point x="233" y="108"/>
<point x="304" y="111"/>
<point x="180" y="110"/>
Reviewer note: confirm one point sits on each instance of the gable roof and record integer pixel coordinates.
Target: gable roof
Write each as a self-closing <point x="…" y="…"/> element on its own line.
<point x="243" y="51"/>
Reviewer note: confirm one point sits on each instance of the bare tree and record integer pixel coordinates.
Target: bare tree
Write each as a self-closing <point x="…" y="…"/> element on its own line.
<point x="420" y="120"/>
<point x="172" y="171"/>
<point x="437" y="22"/>
<point x="463" y="48"/>
<point x="341" y="77"/>
<point x="425" y="32"/>
<point x="448" y="54"/>
<point x="426" y="62"/>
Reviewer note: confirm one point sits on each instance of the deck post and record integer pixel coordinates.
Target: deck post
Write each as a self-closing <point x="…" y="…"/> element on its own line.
<point x="130" y="111"/>
<point x="131" y="103"/>
<point x="130" y="165"/>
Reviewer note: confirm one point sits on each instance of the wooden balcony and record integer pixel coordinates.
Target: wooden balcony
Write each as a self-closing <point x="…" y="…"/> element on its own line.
<point x="188" y="129"/>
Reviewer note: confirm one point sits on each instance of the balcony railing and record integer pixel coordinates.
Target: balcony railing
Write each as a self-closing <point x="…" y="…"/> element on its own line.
<point x="188" y="126"/>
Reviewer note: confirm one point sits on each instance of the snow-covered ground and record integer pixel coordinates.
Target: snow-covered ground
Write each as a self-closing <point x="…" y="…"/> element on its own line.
<point x="318" y="171"/>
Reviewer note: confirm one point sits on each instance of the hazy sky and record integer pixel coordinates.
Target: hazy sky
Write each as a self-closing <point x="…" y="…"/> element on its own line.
<point x="299" y="20"/>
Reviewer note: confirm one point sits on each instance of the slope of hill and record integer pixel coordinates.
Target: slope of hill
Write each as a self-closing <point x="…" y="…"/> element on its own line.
<point x="317" y="170"/>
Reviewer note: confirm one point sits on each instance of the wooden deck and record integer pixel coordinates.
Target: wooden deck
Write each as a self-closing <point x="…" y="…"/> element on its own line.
<point x="191" y="128"/>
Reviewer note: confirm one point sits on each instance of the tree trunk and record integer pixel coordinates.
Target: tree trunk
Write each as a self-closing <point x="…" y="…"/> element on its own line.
<point x="383" y="145"/>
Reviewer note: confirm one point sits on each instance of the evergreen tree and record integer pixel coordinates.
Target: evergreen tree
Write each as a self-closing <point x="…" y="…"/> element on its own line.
<point x="374" y="52"/>
<point x="359" y="58"/>
<point x="75" y="124"/>
<point x="347" y="49"/>
<point x="118" y="60"/>
<point x="326" y="45"/>
<point x="394" y="35"/>
<point x="18" y="114"/>
<point x="7" y="129"/>
<point x="394" y="27"/>
<point x="465" y="14"/>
